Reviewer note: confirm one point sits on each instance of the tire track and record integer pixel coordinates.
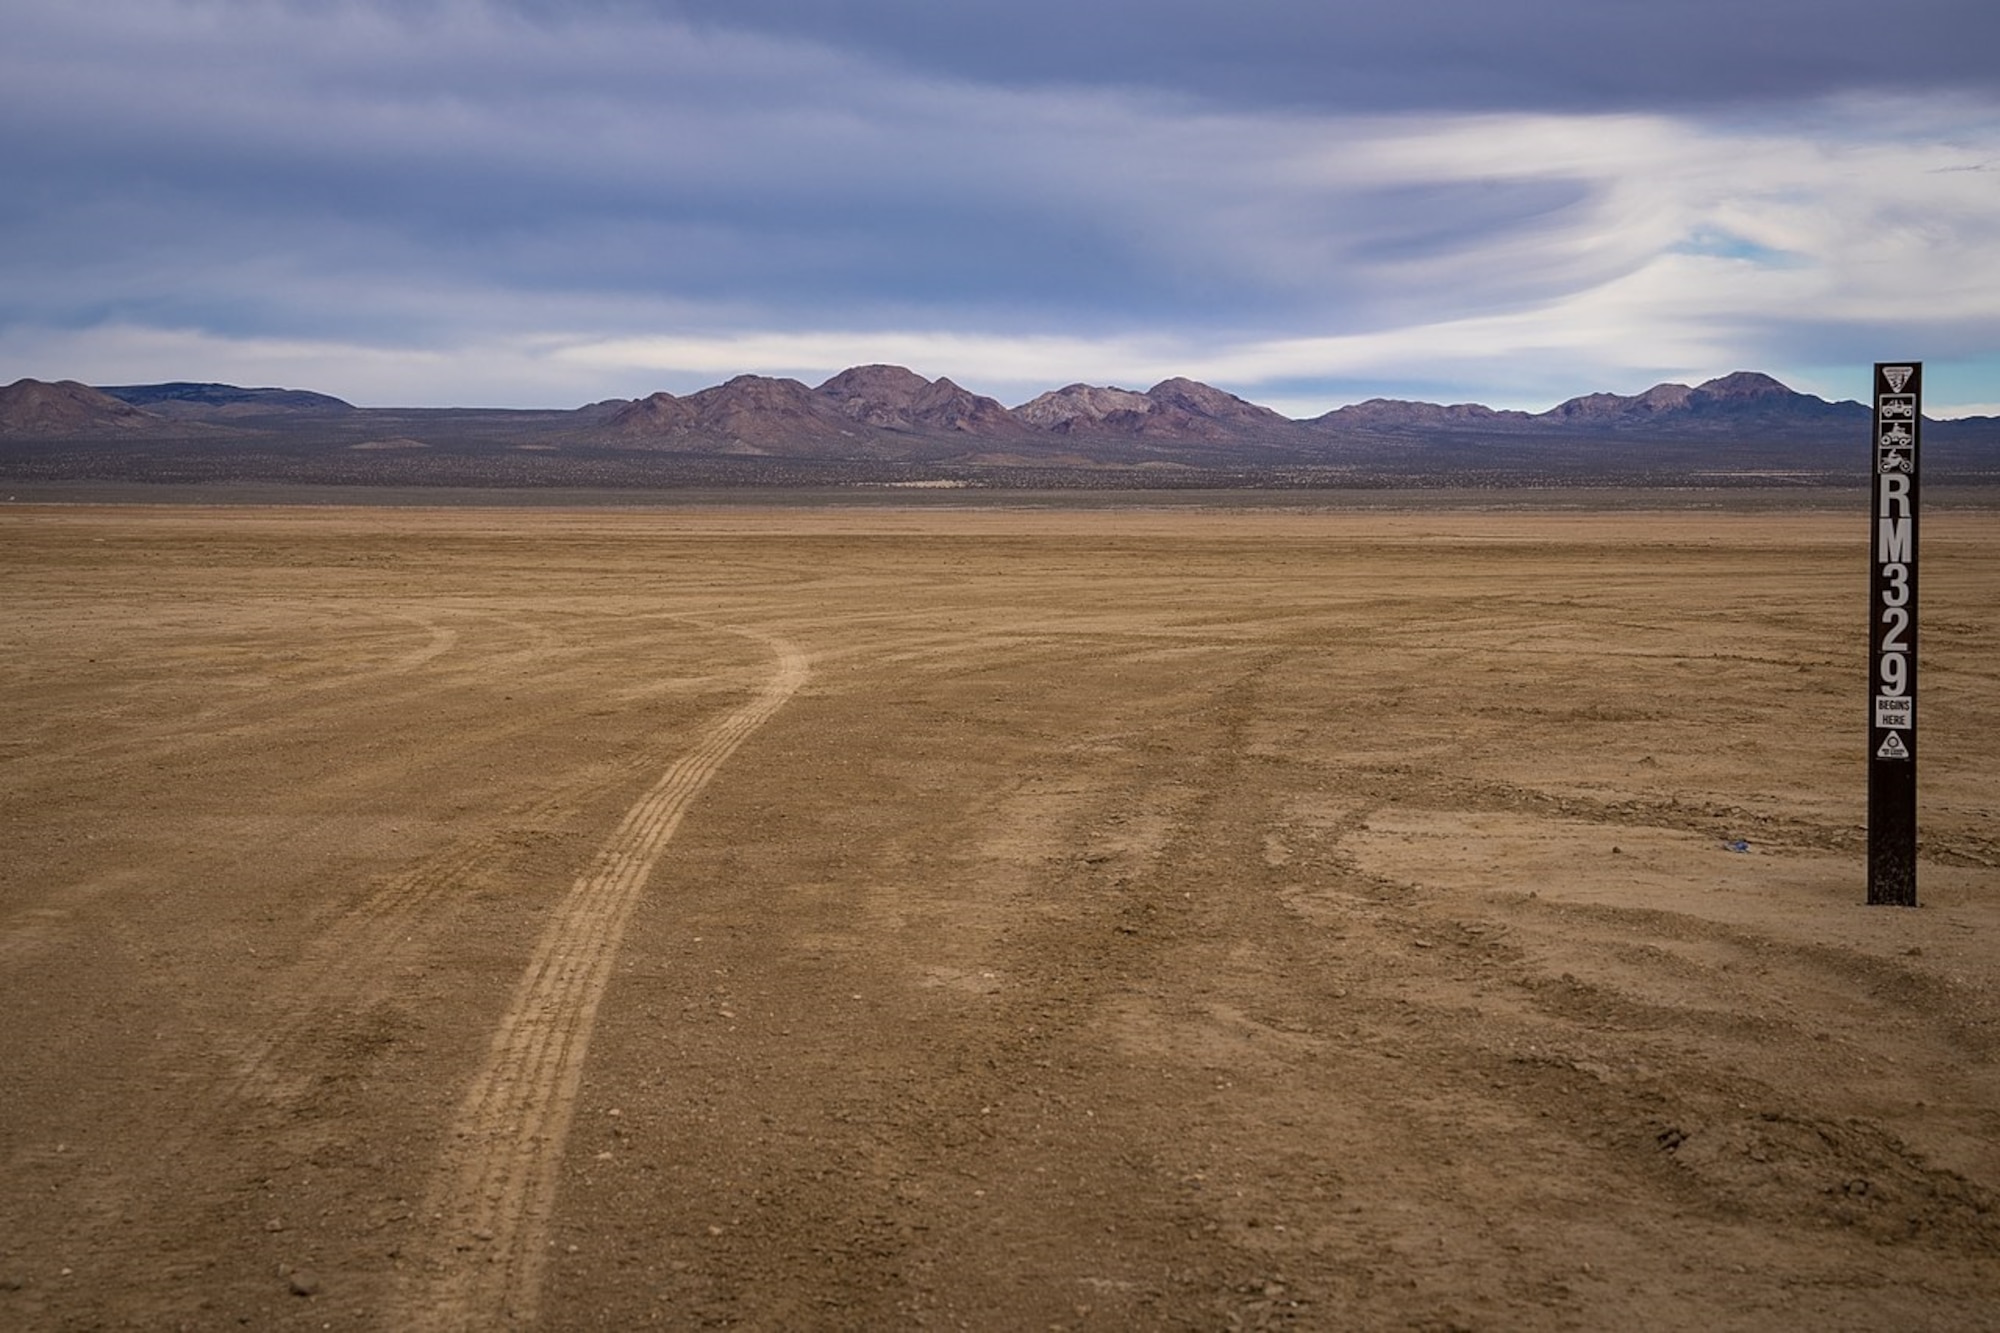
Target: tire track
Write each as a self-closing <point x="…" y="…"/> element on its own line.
<point x="355" y="960"/>
<point x="495" y="1191"/>
<point x="212" y="719"/>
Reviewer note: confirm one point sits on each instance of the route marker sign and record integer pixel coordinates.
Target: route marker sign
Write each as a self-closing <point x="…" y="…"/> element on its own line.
<point x="1892" y="635"/>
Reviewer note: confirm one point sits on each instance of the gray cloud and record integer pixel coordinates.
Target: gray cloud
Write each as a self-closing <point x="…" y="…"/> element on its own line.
<point x="1360" y="55"/>
<point x="1287" y="195"/>
<point x="713" y="168"/>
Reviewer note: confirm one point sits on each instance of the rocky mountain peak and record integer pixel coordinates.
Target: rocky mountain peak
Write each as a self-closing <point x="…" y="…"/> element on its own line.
<point x="1744" y="384"/>
<point x="655" y="413"/>
<point x="895" y="398"/>
<point x="877" y="386"/>
<point x="1075" y="404"/>
<point x="1205" y="400"/>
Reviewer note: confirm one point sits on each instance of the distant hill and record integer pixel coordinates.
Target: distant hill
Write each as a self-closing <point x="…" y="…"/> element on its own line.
<point x="889" y="422"/>
<point x="1730" y="402"/>
<point x="868" y="412"/>
<point x="1401" y="415"/>
<point x="754" y="414"/>
<point x="66" y="408"/>
<point x="1736" y="402"/>
<point x="893" y="398"/>
<point x="222" y="401"/>
<point x="1173" y="409"/>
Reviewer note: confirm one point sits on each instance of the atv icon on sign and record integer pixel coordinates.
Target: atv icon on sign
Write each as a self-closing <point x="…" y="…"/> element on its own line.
<point x="1897" y="436"/>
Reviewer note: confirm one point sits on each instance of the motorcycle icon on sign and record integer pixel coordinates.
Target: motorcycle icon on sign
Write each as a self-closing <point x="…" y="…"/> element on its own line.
<point x="1894" y="460"/>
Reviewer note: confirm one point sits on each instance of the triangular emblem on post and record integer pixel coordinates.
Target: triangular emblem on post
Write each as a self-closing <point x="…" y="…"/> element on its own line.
<point x="1892" y="748"/>
<point x="1897" y="376"/>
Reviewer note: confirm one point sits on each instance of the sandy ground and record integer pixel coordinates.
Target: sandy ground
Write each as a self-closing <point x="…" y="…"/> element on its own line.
<point x="877" y="919"/>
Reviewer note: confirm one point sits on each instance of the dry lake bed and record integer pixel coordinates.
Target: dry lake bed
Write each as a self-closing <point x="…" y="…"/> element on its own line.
<point x="875" y="918"/>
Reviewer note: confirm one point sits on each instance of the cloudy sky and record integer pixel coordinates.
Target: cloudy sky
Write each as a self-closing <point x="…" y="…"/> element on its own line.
<point x="1308" y="202"/>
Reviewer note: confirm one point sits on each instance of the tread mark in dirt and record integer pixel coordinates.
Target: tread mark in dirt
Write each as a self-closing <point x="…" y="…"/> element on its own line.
<point x="352" y="963"/>
<point x="495" y="1191"/>
<point x="355" y="958"/>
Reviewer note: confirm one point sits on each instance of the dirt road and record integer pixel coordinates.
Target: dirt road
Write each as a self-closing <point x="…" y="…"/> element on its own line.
<point x="873" y="919"/>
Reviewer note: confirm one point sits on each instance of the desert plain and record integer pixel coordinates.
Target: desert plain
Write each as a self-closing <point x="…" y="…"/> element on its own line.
<point x="858" y="918"/>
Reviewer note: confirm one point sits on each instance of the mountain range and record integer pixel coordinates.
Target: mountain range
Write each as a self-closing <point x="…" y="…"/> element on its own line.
<point x="891" y="420"/>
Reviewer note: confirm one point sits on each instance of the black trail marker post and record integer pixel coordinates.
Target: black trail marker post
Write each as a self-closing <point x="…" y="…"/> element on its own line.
<point x="1892" y="636"/>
